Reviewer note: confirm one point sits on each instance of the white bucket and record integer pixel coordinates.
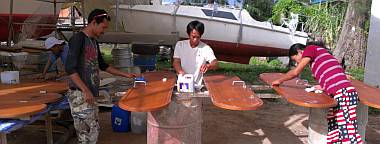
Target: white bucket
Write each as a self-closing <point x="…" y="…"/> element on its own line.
<point x="185" y="83"/>
<point x="10" y="77"/>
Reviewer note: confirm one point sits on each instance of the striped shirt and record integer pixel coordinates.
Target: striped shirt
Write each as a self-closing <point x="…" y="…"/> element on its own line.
<point x="326" y="69"/>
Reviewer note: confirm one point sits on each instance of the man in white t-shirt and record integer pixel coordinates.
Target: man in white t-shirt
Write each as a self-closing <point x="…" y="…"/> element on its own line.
<point x="193" y="56"/>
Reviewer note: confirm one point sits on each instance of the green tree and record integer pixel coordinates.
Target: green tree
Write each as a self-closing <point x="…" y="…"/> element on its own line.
<point x="260" y="10"/>
<point x="283" y="8"/>
<point x="352" y="45"/>
<point x="322" y="21"/>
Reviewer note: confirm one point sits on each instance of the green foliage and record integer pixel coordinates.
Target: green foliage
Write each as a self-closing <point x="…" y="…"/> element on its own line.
<point x="323" y="20"/>
<point x="260" y="10"/>
<point x="248" y="73"/>
<point x="275" y="62"/>
<point x="106" y="53"/>
<point x="283" y="8"/>
<point x="307" y="75"/>
<point x="357" y="73"/>
<point x="163" y="64"/>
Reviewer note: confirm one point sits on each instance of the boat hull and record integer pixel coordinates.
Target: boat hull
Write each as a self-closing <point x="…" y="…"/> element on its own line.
<point x="235" y="40"/>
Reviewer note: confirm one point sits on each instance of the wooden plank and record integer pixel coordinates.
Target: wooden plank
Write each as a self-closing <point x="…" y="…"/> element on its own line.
<point x="24" y="111"/>
<point x="296" y="94"/>
<point x="226" y="95"/>
<point x="368" y="95"/>
<point x="155" y="95"/>
<point x="35" y="87"/>
<point x="27" y="99"/>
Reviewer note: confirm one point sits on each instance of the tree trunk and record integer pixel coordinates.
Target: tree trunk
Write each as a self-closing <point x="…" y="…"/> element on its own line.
<point x="351" y="45"/>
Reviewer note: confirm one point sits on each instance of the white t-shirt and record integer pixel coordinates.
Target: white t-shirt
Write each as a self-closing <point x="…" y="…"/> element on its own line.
<point x="193" y="58"/>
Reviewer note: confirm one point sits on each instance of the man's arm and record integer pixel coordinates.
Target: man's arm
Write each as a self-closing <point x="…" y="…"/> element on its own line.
<point x="46" y="68"/>
<point x="61" y="67"/>
<point x="115" y="71"/>
<point x="293" y="73"/>
<point x="177" y="66"/>
<point x="211" y="66"/>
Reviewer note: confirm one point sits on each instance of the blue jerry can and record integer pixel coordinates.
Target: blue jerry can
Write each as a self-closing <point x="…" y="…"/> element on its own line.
<point x="120" y="119"/>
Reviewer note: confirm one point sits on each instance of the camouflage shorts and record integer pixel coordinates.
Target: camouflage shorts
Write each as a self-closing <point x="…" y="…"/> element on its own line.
<point x="85" y="117"/>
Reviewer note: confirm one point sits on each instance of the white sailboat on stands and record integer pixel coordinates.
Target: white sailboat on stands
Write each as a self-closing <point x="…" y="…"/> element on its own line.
<point x="232" y="33"/>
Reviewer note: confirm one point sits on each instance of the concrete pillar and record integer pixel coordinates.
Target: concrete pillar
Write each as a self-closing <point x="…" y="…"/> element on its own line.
<point x="372" y="66"/>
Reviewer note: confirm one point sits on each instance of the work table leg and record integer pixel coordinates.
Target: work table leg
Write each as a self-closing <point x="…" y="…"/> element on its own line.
<point x="49" y="129"/>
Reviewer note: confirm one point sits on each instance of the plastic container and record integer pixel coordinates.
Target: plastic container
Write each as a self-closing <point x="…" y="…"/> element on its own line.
<point x="120" y="119"/>
<point x="185" y="83"/>
<point x="10" y="77"/>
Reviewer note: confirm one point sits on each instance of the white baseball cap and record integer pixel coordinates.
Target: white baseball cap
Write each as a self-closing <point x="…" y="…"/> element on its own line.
<point x="51" y="41"/>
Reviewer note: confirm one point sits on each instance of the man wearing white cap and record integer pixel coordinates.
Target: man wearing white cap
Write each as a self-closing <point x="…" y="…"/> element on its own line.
<point x="59" y="50"/>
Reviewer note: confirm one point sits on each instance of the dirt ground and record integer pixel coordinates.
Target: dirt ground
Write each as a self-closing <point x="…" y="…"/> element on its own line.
<point x="276" y="122"/>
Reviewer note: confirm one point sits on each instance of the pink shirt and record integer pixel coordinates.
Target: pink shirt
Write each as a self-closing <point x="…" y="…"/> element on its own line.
<point x="326" y="69"/>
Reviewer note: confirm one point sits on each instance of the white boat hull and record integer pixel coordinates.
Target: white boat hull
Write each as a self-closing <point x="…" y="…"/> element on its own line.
<point x="232" y="40"/>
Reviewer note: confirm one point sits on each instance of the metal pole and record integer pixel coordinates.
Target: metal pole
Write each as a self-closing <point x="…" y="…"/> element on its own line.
<point x="117" y="20"/>
<point x="117" y="15"/>
<point x="83" y="13"/>
<point x="72" y="18"/>
<point x="55" y="17"/>
<point x="10" y="25"/>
